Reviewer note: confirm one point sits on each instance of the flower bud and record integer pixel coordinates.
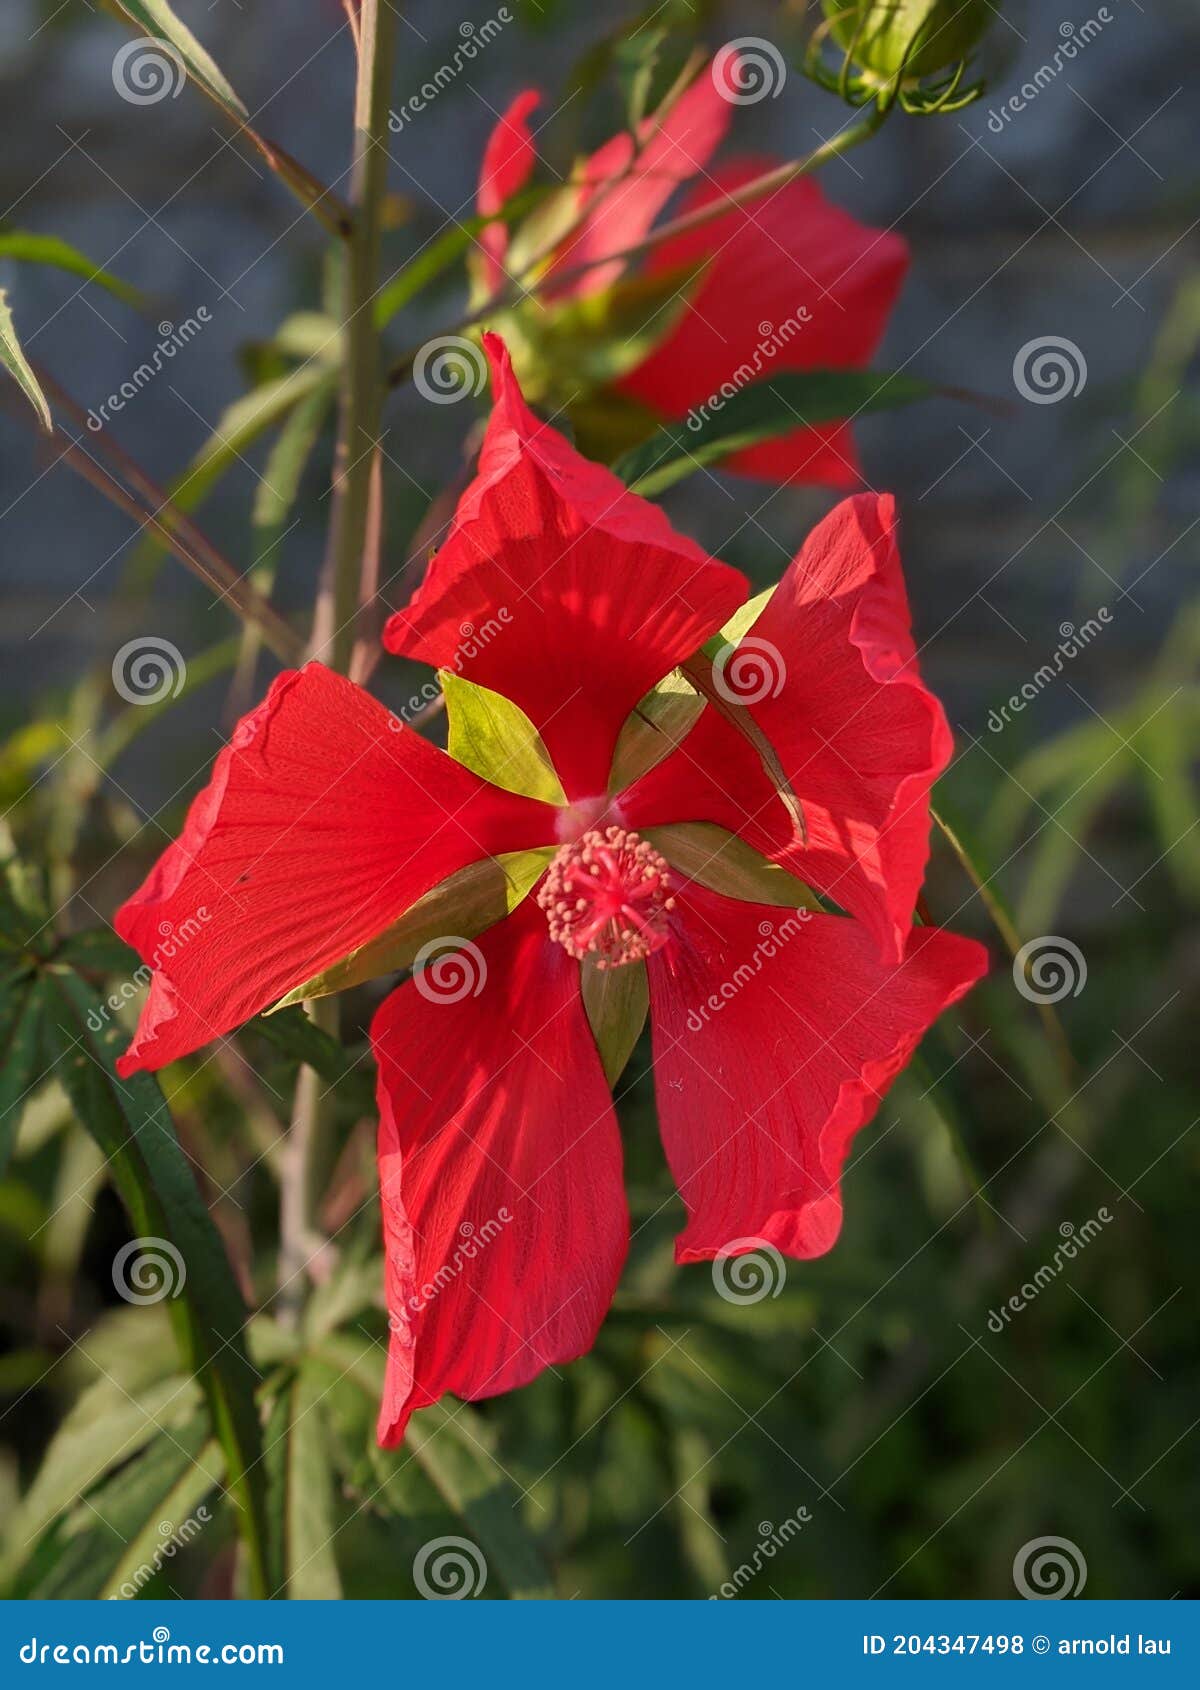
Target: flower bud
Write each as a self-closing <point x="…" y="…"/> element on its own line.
<point x="919" y="37"/>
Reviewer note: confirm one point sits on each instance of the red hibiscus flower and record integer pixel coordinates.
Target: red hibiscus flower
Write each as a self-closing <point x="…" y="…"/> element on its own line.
<point x="789" y="281"/>
<point x="777" y="1025"/>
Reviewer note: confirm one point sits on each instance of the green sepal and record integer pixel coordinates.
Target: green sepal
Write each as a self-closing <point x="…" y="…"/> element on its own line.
<point x="617" y="1001"/>
<point x="719" y="860"/>
<point x="467" y="903"/>
<point x="494" y="738"/>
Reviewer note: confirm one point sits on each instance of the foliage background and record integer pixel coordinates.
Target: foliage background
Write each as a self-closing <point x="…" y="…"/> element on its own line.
<point x="927" y="1448"/>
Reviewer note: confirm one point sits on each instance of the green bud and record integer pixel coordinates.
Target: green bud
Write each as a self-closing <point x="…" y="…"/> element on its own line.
<point x="922" y="36"/>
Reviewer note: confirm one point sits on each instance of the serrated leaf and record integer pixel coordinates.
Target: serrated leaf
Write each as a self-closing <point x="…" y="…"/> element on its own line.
<point x="61" y="255"/>
<point x="130" y="1122"/>
<point x="617" y="1001"/>
<point x="467" y="903"/>
<point x="762" y="410"/>
<point x="15" y="363"/>
<point x="722" y="862"/>
<point x="494" y="738"/>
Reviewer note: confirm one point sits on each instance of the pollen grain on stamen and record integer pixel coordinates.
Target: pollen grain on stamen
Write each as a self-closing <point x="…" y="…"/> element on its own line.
<point x="607" y="895"/>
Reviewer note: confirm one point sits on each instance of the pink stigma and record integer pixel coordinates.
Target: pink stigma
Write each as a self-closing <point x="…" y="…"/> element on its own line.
<point x="607" y="895"/>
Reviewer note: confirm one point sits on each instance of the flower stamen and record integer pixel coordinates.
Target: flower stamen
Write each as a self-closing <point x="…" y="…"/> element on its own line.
<point x="607" y="895"/>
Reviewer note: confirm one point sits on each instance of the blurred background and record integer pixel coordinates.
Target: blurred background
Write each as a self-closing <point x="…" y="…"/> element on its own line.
<point x="919" y="1446"/>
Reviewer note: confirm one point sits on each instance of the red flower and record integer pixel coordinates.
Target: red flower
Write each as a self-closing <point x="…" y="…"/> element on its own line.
<point x="776" y="1030"/>
<point x="791" y="282"/>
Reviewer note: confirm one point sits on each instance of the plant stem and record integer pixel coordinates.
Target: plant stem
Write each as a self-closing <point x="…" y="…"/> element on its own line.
<point x="362" y="387"/>
<point x="306" y="1157"/>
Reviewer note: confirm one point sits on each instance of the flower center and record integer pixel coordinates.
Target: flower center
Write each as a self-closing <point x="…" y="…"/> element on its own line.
<point x="606" y="894"/>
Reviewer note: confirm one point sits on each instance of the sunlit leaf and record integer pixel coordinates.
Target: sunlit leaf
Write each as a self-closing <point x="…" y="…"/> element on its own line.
<point x="494" y="738"/>
<point x="61" y="255"/>
<point x="17" y="365"/>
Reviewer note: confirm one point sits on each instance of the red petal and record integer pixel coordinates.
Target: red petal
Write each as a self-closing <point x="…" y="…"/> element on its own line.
<point x="496" y="1131"/>
<point x="561" y="589"/>
<point x="627" y="200"/>
<point x="508" y="160"/>
<point x="775" y="1037"/>
<point x="325" y="818"/>
<point x="772" y="260"/>
<point x="859" y="736"/>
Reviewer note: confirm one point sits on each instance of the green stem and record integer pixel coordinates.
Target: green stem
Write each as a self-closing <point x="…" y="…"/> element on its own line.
<point x="307" y="1154"/>
<point x="362" y="387"/>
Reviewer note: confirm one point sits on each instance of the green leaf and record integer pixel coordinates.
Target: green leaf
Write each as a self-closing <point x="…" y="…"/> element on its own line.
<point x="722" y="862"/>
<point x="155" y="18"/>
<point x="467" y="903"/>
<point x="494" y="738"/>
<point x="22" y="1004"/>
<point x="176" y="1520"/>
<point x="703" y="669"/>
<point x="440" y="254"/>
<point x="106" y="1427"/>
<point x="762" y="410"/>
<point x="130" y="1122"/>
<point x="617" y="1001"/>
<point x="48" y="249"/>
<point x="280" y="484"/>
<point x="664" y="718"/>
<point x="17" y="366"/>
<point x="98" y="950"/>
<point x="89" y="1544"/>
<point x="310" y="1520"/>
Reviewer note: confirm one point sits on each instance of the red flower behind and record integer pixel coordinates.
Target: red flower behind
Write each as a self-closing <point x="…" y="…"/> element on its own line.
<point x="775" y="1031"/>
<point x="790" y="282"/>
